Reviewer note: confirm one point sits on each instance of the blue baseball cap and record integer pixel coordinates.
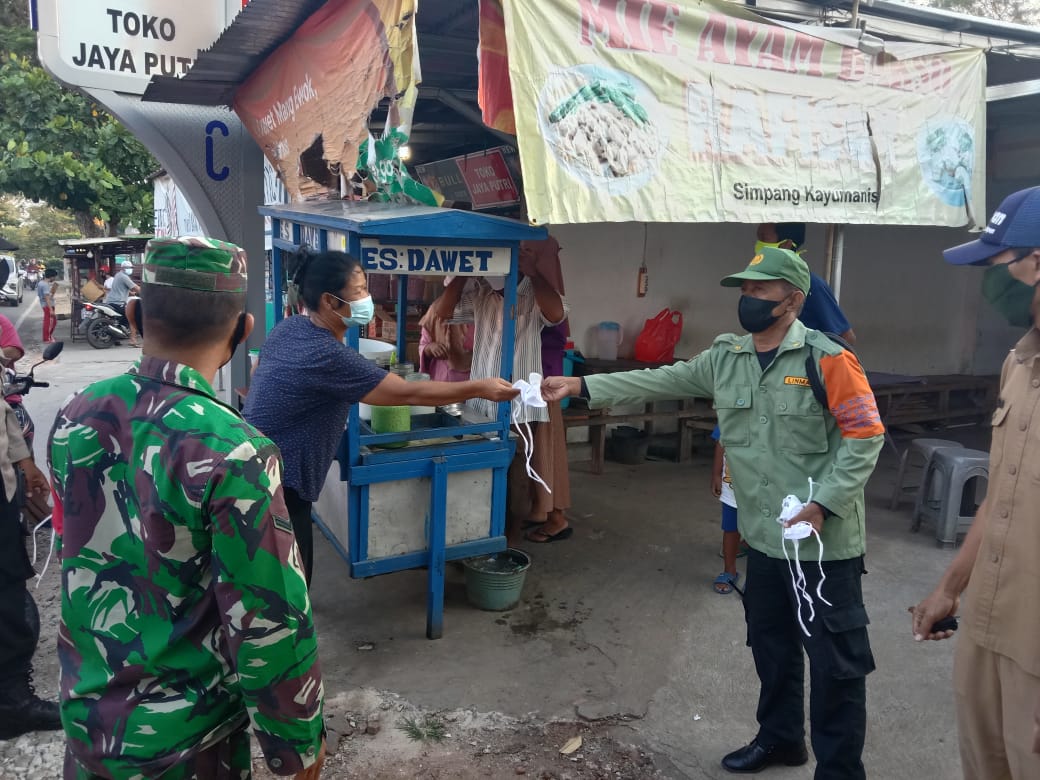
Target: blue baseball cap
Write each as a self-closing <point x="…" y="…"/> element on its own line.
<point x="1015" y="223"/>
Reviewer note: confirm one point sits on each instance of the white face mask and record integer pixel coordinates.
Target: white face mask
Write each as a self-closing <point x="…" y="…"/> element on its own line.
<point x="496" y="283"/>
<point x="530" y="396"/>
<point x="790" y="508"/>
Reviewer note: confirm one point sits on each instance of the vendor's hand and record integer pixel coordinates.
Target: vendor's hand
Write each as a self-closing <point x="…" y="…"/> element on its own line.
<point x="436" y="350"/>
<point x="935" y="607"/>
<point x="812" y="514"/>
<point x="35" y="481"/>
<point x="716" y="485"/>
<point x="497" y="390"/>
<point x="556" y="388"/>
<point x="313" y="772"/>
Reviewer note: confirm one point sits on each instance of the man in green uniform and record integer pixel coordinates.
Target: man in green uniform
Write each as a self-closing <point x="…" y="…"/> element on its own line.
<point x="185" y="618"/>
<point x="793" y="406"/>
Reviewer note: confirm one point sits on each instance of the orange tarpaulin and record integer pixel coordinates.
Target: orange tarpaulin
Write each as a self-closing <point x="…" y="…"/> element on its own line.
<point x="326" y="79"/>
<point x="494" y="93"/>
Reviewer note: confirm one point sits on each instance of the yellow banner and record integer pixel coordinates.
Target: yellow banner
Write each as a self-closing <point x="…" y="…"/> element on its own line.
<point x="654" y="111"/>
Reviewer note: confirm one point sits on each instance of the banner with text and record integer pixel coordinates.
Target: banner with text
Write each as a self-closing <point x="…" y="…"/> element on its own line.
<point x="313" y="96"/>
<point x="656" y="111"/>
<point x="435" y="260"/>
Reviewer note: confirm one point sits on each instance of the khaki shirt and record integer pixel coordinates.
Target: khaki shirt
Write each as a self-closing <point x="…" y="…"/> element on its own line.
<point x="1004" y="590"/>
<point x="13" y="444"/>
<point x="775" y="432"/>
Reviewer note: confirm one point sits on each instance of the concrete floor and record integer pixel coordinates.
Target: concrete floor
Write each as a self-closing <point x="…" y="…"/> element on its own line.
<point x="620" y="620"/>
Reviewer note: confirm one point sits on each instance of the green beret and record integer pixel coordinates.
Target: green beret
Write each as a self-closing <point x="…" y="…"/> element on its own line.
<point x="195" y="263"/>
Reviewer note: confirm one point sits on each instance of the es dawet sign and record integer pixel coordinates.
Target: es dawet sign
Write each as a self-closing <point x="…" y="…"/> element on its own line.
<point x="121" y="45"/>
<point x="435" y="260"/>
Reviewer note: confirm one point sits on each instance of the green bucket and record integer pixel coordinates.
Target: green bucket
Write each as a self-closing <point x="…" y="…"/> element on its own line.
<point x="494" y="582"/>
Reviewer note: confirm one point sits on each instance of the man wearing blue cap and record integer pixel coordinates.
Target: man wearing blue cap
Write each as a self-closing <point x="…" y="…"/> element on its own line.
<point x="997" y="663"/>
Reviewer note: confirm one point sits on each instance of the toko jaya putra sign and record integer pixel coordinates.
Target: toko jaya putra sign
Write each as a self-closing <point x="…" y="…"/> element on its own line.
<point x="120" y="45"/>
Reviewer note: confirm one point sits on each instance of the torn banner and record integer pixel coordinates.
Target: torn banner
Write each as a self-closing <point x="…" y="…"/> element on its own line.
<point x="308" y="105"/>
<point x="705" y="112"/>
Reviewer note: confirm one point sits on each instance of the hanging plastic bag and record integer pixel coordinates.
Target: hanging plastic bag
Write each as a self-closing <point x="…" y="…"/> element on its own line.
<point x="656" y="342"/>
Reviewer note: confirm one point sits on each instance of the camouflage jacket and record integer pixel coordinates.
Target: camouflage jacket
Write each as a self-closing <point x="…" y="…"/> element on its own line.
<point x="185" y="614"/>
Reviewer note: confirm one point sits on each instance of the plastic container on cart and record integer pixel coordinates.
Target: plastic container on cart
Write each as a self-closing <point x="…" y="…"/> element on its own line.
<point x="494" y="582"/>
<point x="417" y="376"/>
<point x="380" y="353"/>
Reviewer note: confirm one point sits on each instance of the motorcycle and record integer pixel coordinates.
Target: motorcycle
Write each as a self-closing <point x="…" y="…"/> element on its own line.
<point x="104" y="325"/>
<point x="32" y="278"/>
<point x="14" y="387"/>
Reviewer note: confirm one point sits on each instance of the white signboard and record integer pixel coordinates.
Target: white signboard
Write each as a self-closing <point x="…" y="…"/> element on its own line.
<point x="435" y="260"/>
<point x="121" y="45"/>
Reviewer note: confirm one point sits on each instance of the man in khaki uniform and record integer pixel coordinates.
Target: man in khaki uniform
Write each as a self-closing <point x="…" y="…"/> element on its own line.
<point x="797" y="418"/>
<point x="997" y="663"/>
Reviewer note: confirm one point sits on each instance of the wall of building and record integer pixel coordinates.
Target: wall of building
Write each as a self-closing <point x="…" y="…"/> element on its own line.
<point x="912" y="313"/>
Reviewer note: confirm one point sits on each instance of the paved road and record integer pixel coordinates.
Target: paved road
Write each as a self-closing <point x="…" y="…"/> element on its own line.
<point x="78" y="365"/>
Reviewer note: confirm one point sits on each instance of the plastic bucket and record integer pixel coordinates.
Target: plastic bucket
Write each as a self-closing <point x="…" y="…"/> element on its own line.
<point x="494" y="582"/>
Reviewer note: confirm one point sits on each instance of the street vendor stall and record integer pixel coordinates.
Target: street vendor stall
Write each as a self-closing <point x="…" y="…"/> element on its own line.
<point x="84" y="258"/>
<point x="436" y="491"/>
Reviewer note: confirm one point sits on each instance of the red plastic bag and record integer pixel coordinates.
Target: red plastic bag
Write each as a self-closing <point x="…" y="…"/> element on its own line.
<point x="656" y="342"/>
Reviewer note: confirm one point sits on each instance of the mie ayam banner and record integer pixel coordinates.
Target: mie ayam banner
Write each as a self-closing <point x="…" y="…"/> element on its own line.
<point x="658" y="111"/>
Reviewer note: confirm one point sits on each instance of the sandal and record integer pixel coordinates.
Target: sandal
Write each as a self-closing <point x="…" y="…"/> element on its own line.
<point x="725" y="582"/>
<point x="546" y="538"/>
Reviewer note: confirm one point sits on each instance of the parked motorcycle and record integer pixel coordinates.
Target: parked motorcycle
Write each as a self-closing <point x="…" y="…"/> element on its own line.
<point x="17" y="386"/>
<point x="105" y="325"/>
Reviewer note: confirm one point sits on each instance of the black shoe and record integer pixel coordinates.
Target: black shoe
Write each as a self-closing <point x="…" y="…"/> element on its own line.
<point x="756" y="757"/>
<point x="22" y="711"/>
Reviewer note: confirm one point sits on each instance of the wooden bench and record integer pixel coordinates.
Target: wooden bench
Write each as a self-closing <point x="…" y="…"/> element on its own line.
<point x="692" y="415"/>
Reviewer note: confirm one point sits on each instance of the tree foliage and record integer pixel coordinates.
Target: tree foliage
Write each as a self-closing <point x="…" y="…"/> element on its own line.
<point x="60" y="148"/>
<point x="1018" y="11"/>
<point x="36" y="229"/>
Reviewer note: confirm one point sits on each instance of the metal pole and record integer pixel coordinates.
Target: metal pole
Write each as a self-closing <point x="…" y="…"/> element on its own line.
<point x="837" y="260"/>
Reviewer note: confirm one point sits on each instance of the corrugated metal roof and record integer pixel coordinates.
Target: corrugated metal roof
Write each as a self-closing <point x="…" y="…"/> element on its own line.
<point x="401" y="220"/>
<point x="259" y="29"/>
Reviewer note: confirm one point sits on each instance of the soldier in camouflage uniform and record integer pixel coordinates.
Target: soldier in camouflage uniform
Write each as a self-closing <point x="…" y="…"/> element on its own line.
<point x="185" y="616"/>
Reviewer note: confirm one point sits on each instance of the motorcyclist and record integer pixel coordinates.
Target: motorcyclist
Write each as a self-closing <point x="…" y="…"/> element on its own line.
<point x="123" y="286"/>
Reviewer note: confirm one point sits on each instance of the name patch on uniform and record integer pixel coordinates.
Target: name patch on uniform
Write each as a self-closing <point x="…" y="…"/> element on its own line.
<point x="282" y="524"/>
<point x="801" y="381"/>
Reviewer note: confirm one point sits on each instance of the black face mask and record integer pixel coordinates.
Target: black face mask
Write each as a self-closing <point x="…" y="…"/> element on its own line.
<point x="238" y="334"/>
<point x="1008" y="295"/>
<point x="756" y="314"/>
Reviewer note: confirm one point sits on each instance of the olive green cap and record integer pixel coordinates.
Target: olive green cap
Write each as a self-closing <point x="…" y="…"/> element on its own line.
<point x="772" y="263"/>
<point x="195" y="263"/>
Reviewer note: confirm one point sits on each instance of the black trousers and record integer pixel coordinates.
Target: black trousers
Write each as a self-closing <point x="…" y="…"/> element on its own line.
<point x="839" y="660"/>
<point x="17" y="636"/>
<point x="303" y="527"/>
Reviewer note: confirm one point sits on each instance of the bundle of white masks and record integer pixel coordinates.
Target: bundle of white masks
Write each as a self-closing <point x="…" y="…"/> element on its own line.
<point x="531" y="397"/>
<point x="790" y="508"/>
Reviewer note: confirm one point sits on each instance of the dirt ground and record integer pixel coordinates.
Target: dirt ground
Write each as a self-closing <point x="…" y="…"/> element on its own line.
<point x="369" y="738"/>
<point x="368" y="734"/>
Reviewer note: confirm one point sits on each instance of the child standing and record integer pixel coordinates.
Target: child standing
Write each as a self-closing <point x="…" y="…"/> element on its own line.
<point x="722" y="489"/>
